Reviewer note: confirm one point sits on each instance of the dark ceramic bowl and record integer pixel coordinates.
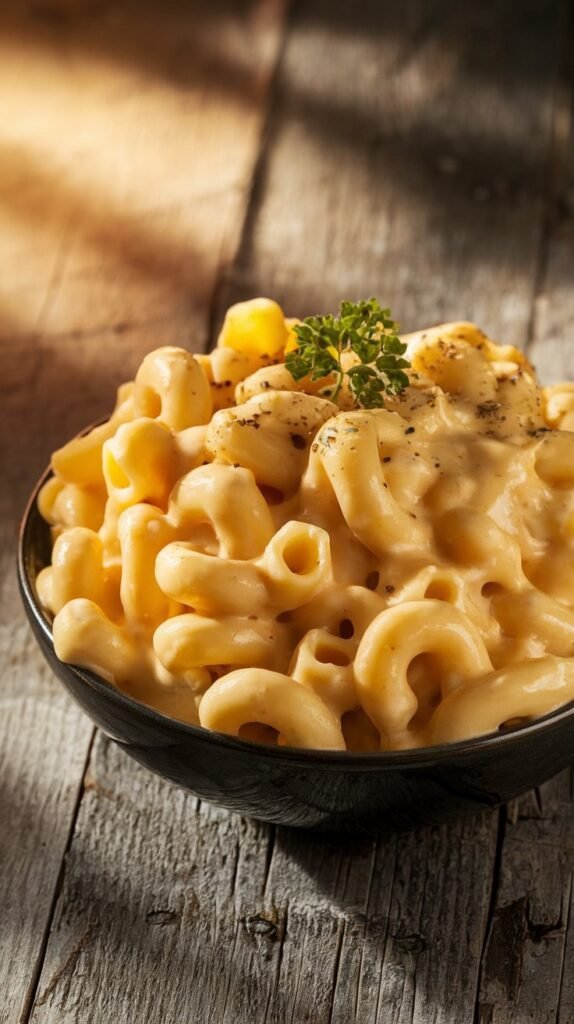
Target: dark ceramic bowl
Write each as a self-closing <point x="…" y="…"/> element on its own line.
<point x="310" y="789"/>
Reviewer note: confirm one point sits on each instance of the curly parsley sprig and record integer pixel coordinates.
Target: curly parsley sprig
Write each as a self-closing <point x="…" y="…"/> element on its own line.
<point x="364" y="328"/>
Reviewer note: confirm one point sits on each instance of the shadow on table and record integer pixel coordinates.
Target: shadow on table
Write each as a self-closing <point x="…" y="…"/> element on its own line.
<point x="182" y="44"/>
<point x="80" y="264"/>
<point x="427" y="140"/>
<point x="164" y="906"/>
<point x="289" y="954"/>
<point x="422" y="151"/>
<point x="185" y="44"/>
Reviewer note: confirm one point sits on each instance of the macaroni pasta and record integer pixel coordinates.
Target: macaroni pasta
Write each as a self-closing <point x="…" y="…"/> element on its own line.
<point x="236" y="550"/>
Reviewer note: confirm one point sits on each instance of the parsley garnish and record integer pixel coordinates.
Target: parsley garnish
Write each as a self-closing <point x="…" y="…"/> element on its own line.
<point x="363" y="328"/>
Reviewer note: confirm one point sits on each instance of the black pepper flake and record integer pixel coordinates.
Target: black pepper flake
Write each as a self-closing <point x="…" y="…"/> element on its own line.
<point x="315" y="447"/>
<point x="487" y="409"/>
<point x="253" y="422"/>
<point x="389" y="589"/>
<point x="298" y="442"/>
<point x="410" y="430"/>
<point x="387" y="458"/>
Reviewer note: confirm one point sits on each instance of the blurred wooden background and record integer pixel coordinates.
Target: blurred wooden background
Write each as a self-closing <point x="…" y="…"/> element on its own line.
<point x="158" y="161"/>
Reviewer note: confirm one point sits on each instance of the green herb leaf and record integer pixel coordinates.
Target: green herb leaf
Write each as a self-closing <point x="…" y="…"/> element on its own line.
<point x="364" y="328"/>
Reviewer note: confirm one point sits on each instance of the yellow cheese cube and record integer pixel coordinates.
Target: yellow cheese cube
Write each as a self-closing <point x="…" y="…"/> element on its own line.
<point x="256" y="327"/>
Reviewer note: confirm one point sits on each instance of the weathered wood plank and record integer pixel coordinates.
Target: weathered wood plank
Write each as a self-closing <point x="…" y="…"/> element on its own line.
<point x="528" y="968"/>
<point x="240" y="924"/>
<point x="552" y="348"/>
<point x="127" y="141"/>
<point x="127" y="147"/>
<point x="382" y="921"/>
<point x="43" y="748"/>
<point x="373" y="179"/>
<point x="153" y="934"/>
<point x="409" y="145"/>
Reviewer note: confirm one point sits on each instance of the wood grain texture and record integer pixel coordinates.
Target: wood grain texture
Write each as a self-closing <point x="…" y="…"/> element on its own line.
<point x="127" y="142"/>
<point x="155" y="934"/>
<point x="372" y="928"/>
<point x="43" y="748"/>
<point x="409" y="144"/>
<point x="552" y="342"/>
<point x="372" y="178"/>
<point x="171" y="911"/>
<point x="528" y="967"/>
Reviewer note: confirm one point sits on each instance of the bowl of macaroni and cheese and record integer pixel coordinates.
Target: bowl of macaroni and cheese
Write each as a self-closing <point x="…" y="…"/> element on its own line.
<point x="321" y="576"/>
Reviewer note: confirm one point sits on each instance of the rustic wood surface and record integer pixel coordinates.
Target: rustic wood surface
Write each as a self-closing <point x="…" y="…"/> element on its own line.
<point x="156" y="164"/>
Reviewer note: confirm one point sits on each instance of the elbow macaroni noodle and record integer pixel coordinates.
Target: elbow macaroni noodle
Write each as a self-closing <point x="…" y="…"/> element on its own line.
<point x="237" y="551"/>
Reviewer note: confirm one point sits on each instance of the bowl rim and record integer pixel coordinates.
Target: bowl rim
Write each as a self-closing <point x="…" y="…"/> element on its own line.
<point x="414" y="757"/>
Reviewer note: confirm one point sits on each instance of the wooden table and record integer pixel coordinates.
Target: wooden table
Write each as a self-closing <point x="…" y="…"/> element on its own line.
<point x="157" y="162"/>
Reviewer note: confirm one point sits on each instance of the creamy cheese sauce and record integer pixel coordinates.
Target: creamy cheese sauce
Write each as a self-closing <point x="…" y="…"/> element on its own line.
<point x="239" y="552"/>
